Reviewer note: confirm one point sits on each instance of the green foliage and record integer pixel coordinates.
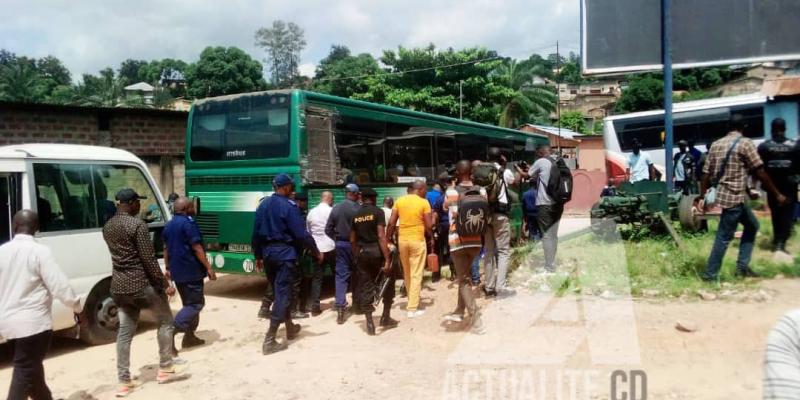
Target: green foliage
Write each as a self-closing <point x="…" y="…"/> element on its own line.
<point x="341" y="64"/>
<point x="104" y="90"/>
<point x="573" y="120"/>
<point x="648" y="89"/>
<point x="282" y="44"/>
<point x="525" y="101"/>
<point x="644" y="92"/>
<point x="224" y="70"/>
<point x="31" y="80"/>
<point x="129" y="70"/>
<point x="697" y="95"/>
<point x="597" y="128"/>
<point x="436" y="90"/>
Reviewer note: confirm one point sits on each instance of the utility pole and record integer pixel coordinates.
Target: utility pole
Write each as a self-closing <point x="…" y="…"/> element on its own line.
<point x="666" y="59"/>
<point x="558" y="97"/>
<point x="460" y="100"/>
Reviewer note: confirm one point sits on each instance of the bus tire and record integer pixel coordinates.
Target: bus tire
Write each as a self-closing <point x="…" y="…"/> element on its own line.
<point x="101" y="314"/>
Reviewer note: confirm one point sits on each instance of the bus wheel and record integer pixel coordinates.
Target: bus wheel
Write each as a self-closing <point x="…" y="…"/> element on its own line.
<point x="101" y="313"/>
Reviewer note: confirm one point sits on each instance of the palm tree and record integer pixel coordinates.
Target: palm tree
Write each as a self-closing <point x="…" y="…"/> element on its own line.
<point x="526" y="101"/>
<point x="20" y="82"/>
<point x="104" y="91"/>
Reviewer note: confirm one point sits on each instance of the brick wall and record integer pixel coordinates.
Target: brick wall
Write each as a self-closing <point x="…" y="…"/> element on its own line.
<point x="150" y="134"/>
<point x="141" y="131"/>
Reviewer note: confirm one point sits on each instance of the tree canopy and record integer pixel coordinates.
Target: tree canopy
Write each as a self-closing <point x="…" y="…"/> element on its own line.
<point x="224" y="70"/>
<point x="282" y="43"/>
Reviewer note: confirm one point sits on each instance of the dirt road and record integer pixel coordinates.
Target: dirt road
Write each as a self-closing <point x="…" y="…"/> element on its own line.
<point x="424" y="358"/>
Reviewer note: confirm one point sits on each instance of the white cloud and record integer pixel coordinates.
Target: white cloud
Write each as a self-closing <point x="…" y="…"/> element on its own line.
<point x="307" y="69"/>
<point x="92" y="34"/>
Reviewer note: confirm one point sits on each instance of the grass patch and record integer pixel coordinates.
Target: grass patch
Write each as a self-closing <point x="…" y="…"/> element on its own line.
<point x="652" y="266"/>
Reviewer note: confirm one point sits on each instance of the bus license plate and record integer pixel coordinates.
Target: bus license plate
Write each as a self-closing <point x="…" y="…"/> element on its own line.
<point x="240" y="248"/>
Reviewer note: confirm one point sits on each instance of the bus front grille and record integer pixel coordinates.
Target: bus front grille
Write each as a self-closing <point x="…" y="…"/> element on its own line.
<point x="225" y="180"/>
<point x="208" y="224"/>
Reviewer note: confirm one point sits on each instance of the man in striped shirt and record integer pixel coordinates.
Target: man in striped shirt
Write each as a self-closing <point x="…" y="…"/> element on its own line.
<point x="782" y="359"/>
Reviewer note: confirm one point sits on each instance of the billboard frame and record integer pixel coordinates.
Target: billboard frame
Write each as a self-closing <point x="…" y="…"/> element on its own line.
<point x="585" y="70"/>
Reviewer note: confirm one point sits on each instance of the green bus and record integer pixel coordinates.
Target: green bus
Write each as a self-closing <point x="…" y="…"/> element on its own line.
<point x="236" y="144"/>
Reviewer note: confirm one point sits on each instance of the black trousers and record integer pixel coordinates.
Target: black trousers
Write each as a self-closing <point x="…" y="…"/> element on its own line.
<point x="782" y="217"/>
<point x="295" y="304"/>
<point x="369" y="263"/>
<point x="27" y="379"/>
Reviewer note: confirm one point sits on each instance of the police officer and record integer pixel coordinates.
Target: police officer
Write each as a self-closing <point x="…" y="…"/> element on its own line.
<point x="277" y="234"/>
<point x="778" y="154"/>
<point x="338" y="229"/>
<point x="371" y="253"/>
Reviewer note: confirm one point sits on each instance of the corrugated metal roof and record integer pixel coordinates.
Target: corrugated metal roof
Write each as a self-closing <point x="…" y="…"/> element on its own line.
<point x="554" y="130"/>
<point x="783" y="86"/>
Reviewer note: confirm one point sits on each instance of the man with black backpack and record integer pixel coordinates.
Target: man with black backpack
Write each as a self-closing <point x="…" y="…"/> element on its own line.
<point x="469" y="215"/>
<point x="555" y="189"/>
<point x="495" y="178"/>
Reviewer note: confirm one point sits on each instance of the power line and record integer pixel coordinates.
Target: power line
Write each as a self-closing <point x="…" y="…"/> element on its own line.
<point x="341" y="78"/>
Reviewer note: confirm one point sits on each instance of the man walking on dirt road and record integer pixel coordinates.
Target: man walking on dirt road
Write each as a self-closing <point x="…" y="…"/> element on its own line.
<point x="414" y="214"/>
<point x="731" y="160"/>
<point x="137" y="283"/>
<point x="187" y="266"/>
<point x="29" y="279"/>
<point x="279" y="231"/>
<point x="372" y="256"/>
<point x="338" y="229"/>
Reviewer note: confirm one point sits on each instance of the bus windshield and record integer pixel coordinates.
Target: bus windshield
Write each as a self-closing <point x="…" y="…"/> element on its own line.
<point x="247" y="127"/>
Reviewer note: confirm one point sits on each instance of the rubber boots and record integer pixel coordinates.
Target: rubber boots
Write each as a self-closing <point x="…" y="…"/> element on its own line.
<point x="387" y="321"/>
<point x="272" y="345"/>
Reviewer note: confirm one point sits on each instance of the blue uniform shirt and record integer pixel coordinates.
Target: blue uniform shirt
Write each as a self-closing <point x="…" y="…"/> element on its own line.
<point x="179" y="235"/>
<point x="432" y="196"/>
<point x="279" y="230"/>
<point x="529" y="203"/>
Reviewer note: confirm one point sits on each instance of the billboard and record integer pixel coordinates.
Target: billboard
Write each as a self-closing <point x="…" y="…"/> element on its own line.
<point x="620" y="36"/>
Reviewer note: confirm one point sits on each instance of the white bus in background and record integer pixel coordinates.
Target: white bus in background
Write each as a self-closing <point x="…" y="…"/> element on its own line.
<point x="701" y="122"/>
<point x="72" y="188"/>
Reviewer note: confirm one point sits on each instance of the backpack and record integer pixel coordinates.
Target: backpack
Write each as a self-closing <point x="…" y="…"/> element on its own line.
<point x="559" y="185"/>
<point x="473" y="213"/>
<point x="487" y="176"/>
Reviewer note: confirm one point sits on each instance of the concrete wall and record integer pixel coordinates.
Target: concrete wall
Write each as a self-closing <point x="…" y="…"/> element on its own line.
<point x="592" y="154"/>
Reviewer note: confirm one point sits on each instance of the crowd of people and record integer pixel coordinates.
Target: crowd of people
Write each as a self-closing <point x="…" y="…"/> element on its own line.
<point x="454" y="222"/>
<point x="463" y="219"/>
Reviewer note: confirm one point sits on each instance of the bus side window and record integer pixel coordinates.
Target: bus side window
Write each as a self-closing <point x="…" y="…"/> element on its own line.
<point x="471" y="148"/>
<point x="445" y="152"/>
<point x="409" y="151"/>
<point x="359" y="144"/>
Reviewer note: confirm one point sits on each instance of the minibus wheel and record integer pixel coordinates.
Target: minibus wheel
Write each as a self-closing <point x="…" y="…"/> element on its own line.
<point x="101" y="315"/>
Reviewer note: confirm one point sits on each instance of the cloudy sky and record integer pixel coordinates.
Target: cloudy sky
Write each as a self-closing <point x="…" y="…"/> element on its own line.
<point x="88" y="35"/>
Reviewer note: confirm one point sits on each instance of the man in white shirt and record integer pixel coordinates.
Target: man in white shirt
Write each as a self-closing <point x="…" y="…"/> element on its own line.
<point x="315" y="224"/>
<point x="497" y="239"/>
<point x="29" y="279"/>
<point x="640" y="166"/>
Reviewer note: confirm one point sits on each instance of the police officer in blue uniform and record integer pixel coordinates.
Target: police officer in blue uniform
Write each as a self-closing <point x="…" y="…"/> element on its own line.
<point x="278" y="232"/>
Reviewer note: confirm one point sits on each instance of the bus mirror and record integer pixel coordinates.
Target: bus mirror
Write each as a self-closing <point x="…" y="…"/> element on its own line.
<point x="196" y="203"/>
